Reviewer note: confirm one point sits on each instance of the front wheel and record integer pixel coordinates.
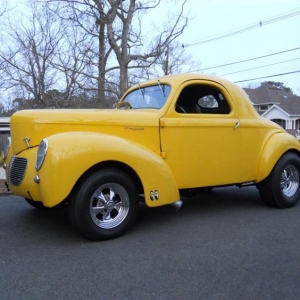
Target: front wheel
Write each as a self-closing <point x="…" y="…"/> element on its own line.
<point x="282" y="187"/>
<point x="104" y="205"/>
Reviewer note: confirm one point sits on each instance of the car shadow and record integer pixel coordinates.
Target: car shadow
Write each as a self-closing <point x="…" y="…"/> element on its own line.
<point x="206" y="204"/>
<point x="54" y="225"/>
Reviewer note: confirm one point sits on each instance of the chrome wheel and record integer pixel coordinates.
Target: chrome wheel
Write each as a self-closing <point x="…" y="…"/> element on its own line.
<point x="104" y="204"/>
<point x="282" y="187"/>
<point x="109" y="205"/>
<point x="289" y="181"/>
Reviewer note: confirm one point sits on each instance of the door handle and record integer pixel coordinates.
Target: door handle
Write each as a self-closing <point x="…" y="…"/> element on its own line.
<point x="237" y="124"/>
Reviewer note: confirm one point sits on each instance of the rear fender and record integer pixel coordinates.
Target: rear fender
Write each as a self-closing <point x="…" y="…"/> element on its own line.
<point x="276" y="146"/>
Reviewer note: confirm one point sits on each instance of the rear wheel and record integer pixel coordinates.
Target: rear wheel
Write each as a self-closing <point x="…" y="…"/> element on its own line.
<point x="104" y="205"/>
<point x="282" y="187"/>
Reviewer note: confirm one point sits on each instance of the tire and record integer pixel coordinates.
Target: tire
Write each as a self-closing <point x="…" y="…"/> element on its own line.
<point x="282" y="187"/>
<point x="35" y="204"/>
<point x="104" y="205"/>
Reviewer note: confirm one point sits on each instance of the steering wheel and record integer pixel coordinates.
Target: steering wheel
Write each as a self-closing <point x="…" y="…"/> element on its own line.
<point x="179" y="109"/>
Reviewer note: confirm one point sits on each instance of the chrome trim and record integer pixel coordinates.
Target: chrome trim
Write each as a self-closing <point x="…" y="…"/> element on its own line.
<point x="36" y="179"/>
<point x="237" y="124"/>
<point x="109" y="205"/>
<point x="177" y="204"/>
<point x="41" y="154"/>
<point x="289" y="181"/>
<point x="17" y="169"/>
<point x="27" y="140"/>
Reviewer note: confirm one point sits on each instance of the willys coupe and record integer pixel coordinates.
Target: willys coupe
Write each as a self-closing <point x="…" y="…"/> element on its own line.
<point x="166" y="137"/>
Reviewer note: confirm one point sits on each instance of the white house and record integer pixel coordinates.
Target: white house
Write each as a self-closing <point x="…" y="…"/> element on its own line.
<point x="278" y="105"/>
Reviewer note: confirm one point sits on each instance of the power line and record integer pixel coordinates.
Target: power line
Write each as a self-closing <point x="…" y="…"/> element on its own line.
<point x="245" y="60"/>
<point x="281" y="62"/>
<point x="268" y="76"/>
<point x="274" y="19"/>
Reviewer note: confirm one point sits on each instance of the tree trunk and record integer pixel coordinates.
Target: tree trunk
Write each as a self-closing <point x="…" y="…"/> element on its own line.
<point x="101" y="65"/>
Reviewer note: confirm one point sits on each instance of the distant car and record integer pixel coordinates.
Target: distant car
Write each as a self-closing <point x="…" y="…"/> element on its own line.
<point x="167" y="137"/>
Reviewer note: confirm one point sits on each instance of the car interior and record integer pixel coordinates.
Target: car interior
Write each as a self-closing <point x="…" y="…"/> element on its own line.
<point x="197" y="99"/>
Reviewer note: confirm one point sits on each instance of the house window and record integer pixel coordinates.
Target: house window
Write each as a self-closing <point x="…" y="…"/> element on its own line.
<point x="280" y="122"/>
<point x="263" y="107"/>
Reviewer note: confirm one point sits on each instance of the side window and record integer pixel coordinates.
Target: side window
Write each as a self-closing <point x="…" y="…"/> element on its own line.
<point x="200" y="98"/>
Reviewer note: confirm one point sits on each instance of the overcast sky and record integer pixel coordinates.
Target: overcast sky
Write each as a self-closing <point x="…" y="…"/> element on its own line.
<point x="210" y="19"/>
<point x="214" y="18"/>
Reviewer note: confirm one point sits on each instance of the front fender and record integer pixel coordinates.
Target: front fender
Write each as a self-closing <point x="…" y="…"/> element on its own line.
<point x="71" y="154"/>
<point x="276" y="146"/>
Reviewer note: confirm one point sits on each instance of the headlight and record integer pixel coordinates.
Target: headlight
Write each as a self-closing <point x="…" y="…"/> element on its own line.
<point x="6" y="147"/>
<point x="41" y="153"/>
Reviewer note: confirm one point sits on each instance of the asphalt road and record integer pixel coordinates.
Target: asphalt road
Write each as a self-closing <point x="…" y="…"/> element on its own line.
<point x="222" y="245"/>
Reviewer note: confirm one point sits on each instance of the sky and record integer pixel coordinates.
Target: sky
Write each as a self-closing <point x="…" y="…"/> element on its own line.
<point x="209" y="19"/>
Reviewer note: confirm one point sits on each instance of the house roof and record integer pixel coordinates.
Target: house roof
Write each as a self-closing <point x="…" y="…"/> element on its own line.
<point x="272" y="108"/>
<point x="291" y="105"/>
<point x="272" y="95"/>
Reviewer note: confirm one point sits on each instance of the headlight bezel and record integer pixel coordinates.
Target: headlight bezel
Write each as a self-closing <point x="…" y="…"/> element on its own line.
<point x="6" y="148"/>
<point x="41" y="154"/>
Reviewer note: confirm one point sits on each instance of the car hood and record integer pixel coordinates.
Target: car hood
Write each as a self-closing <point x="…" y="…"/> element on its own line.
<point x="141" y="126"/>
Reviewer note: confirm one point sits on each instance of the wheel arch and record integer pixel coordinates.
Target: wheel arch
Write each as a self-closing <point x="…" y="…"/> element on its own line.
<point x="110" y="164"/>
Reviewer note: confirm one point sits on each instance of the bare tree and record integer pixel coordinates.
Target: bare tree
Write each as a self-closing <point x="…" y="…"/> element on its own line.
<point x="43" y="53"/>
<point x="3" y="10"/>
<point x="117" y="42"/>
<point x="3" y="7"/>
<point x="173" y="60"/>
<point x="89" y="17"/>
<point x="27" y="53"/>
<point x="127" y="41"/>
<point x="69" y="50"/>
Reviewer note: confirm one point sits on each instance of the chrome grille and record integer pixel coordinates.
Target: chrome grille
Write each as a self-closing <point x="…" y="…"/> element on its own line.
<point x="17" y="169"/>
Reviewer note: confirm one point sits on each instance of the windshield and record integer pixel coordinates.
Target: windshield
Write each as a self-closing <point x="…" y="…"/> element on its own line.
<point x="154" y="96"/>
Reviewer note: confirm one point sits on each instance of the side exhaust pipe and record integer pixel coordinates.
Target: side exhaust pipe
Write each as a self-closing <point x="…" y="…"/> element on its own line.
<point x="177" y="204"/>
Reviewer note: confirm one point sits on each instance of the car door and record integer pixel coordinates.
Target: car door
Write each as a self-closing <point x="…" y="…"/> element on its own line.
<point x="200" y="136"/>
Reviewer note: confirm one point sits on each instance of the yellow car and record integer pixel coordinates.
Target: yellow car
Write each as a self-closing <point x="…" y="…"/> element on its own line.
<point x="165" y="138"/>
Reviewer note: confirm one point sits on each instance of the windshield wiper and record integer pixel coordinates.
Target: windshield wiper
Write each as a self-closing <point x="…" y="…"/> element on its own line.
<point x="162" y="88"/>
